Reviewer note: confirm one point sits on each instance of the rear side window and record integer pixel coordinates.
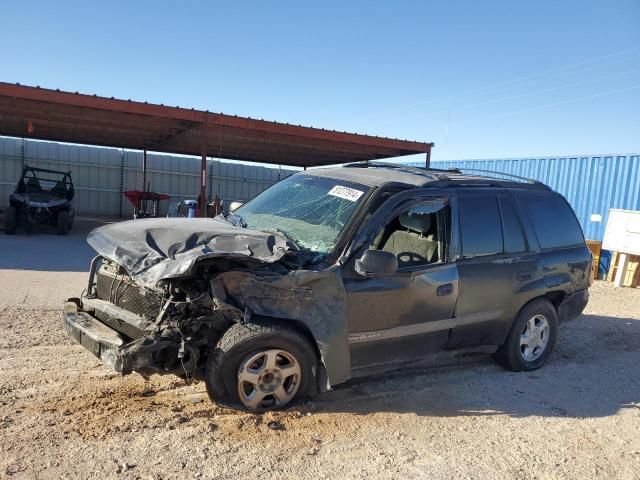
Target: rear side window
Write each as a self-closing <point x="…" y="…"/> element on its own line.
<point x="514" y="241"/>
<point x="480" y="226"/>
<point x="553" y="220"/>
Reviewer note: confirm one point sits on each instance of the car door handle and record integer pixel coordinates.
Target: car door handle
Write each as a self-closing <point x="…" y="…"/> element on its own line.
<point x="443" y="290"/>
<point x="524" y="275"/>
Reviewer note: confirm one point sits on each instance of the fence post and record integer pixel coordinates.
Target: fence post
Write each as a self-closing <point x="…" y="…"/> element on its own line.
<point x="22" y="148"/>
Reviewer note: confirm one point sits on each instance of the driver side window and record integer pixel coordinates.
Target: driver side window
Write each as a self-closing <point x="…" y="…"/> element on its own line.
<point x="418" y="237"/>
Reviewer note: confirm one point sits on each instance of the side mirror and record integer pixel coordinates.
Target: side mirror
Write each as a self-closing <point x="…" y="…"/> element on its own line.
<point x="376" y="262"/>
<point x="233" y="206"/>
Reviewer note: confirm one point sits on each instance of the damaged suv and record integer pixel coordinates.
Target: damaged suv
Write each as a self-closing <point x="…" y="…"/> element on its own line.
<point x="336" y="273"/>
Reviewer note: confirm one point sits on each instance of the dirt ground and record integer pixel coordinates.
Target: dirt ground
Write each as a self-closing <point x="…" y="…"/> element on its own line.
<point x="64" y="415"/>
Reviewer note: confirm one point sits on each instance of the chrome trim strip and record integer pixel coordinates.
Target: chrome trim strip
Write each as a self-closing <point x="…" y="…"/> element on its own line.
<point x="404" y="330"/>
<point x="480" y="317"/>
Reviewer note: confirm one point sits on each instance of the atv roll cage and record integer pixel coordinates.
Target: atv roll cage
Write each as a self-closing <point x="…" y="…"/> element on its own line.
<point x="55" y="183"/>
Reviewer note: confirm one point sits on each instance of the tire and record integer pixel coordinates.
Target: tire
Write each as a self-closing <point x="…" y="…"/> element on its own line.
<point x="11" y="222"/>
<point x="63" y="223"/>
<point x="245" y="349"/>
<point x="25" y="222"/>
<point x="518" y="356"/>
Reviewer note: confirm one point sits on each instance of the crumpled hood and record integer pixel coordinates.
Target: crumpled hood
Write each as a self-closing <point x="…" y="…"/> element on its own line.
<point x="156" y="249"/>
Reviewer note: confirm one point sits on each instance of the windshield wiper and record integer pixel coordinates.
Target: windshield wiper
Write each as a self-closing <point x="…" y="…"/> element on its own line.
<point x="284" y="234"/>
<point x="234" y="219"/>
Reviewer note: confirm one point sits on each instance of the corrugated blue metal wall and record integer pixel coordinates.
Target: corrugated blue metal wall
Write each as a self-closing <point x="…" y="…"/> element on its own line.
<point x="592" y="184"/>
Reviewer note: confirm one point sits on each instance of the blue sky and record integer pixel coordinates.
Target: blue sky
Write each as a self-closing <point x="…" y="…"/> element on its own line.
<point x="481" y="79"/>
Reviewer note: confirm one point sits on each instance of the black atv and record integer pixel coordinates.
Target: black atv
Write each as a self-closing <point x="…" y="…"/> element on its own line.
<point x="42" y="197"/>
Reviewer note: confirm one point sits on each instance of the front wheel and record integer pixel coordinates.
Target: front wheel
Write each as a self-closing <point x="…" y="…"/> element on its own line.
<point x="11" y="221"/>
<point x="261" y="366"/>
<point x="532" y="337"/>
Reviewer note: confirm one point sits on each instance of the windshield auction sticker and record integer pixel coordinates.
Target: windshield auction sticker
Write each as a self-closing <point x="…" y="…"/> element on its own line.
<point x="347" y="193"/>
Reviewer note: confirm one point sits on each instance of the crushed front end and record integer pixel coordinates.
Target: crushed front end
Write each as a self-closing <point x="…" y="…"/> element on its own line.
<point x="162" y="330"/>
<point x="162" y="292"/>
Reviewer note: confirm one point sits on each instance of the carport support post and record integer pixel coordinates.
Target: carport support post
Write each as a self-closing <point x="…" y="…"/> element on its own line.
<point x="142" y="205"/>
<point x="428" y="158"/>
<point x="202" y="203"/>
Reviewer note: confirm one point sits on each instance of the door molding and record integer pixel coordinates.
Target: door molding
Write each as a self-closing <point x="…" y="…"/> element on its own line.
<point x="403" y="331"/>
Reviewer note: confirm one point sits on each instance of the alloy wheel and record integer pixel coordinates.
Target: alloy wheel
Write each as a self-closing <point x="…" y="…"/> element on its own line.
<point x="534" y="338"/>
<point x="268" y="379"/>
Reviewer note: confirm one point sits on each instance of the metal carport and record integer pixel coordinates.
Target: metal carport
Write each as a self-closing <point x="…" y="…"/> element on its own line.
<point x="46" y="114"/>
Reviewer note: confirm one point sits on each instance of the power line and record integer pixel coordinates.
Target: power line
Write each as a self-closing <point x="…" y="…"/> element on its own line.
<point x="547" y="72"/>
<point x="563" y="102"/>
<point x="388" y="118"/>
<point x="551" y="89"/>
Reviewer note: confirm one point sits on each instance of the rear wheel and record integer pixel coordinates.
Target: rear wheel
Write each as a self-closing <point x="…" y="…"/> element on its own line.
<point x="11" y="221"/>
<point x="261" y="366"/>
<point x="63" y="223"/>
<point x="532" y="337"/>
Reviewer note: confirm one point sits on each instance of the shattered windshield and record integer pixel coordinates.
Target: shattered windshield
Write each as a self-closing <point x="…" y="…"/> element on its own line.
<point x="310" y="210"/>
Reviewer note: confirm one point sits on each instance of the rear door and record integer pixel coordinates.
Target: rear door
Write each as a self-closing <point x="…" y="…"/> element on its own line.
<point x="495" y="264"/>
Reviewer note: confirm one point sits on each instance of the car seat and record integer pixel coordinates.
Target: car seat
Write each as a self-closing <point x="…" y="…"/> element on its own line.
<point x="60" y="189"/>
<point x="33" y="185"/>
<point x="414" y="244"/>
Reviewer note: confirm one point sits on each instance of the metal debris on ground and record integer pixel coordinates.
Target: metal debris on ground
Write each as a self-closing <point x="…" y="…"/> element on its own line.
<point x="124" y="467"/>
<point x="273" y="425"/>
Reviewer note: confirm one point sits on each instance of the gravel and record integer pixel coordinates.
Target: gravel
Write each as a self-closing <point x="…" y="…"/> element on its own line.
<point x="64" y="415"/>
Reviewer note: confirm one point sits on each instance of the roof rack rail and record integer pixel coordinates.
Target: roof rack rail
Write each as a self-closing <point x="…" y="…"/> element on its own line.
<point x="396" y="166"/>
<point x="369" y="164"/>
<point x="442" y="170"/>
<point x="493" y="172"/>
<point x="449" y="174"/>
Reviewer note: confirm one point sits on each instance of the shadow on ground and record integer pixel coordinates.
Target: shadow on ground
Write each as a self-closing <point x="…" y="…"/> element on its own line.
<point x="44" y="250"/>
<point x="593" y="372"/>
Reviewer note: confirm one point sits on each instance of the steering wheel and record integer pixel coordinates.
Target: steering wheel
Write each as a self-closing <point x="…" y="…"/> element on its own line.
<point x="411" y="258"/>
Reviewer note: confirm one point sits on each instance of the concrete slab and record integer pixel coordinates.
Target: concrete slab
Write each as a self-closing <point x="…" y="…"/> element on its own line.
<point x="43" y="269"/>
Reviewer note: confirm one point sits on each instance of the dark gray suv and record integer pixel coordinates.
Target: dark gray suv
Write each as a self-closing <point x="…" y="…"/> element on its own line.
<point x="336" y="273"/>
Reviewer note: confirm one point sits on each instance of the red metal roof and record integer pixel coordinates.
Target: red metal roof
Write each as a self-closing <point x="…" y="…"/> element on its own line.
<point x="45" y="114"/>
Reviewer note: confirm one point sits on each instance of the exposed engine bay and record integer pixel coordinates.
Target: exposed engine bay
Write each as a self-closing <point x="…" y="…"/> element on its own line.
<point x="165" y="327"/>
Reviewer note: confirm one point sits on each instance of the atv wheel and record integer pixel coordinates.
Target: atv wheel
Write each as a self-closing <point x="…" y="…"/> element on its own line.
<point x="261" y="366"/>
<point x="63" y="223"/>
<point x="11" y="222"/>
<point x="532" y="337"/>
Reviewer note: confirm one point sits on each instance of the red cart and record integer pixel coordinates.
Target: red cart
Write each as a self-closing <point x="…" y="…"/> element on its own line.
<point x="140" y="200"/>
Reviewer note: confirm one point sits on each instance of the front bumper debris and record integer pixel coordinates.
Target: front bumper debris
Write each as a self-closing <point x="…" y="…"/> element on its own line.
<point x="154" y="353"/>
<point x="93" y="335"/>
